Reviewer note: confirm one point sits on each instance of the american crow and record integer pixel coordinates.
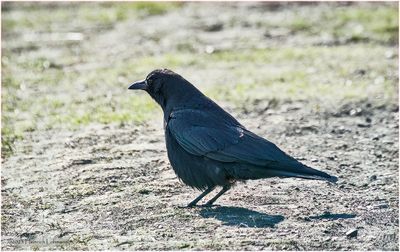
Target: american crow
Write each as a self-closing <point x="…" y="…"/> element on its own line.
<point x="207" y="147"/>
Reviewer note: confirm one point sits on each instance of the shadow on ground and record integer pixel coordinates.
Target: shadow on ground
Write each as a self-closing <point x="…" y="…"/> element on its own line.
<point x="332" y="216"/>
<point x="242" y="217"/>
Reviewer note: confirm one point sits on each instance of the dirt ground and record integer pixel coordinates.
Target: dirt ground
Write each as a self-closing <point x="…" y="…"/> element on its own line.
<point x="109" y="185"/>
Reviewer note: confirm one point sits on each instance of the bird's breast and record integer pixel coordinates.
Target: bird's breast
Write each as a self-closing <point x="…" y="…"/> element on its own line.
<point x="196" y="171"/>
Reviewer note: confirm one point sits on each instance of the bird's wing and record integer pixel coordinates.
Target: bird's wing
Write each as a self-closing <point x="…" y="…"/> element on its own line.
<point x="204" y="133"/>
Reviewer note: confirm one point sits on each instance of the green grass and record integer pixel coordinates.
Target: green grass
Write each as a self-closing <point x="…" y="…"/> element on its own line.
<point x="280" y="73"/>
<point x="311" y="73"/>
<point x="377" y="23"/>
<point x="300" y="24"/>
<point x="35" y="15"/>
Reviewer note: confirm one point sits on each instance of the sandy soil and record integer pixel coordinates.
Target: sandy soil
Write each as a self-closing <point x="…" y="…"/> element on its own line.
<point x="112" y="187"/>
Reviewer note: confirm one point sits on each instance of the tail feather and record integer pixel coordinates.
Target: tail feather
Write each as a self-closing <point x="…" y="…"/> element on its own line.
<point x="297" y="170"/>
<point x="300" y="170"/>
<point x="328" y="177"/>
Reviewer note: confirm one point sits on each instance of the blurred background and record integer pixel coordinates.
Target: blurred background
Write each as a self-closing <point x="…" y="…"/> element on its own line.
<point x="66" y="65"/>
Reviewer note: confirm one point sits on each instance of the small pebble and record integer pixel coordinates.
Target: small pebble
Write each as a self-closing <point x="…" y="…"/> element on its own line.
<point x="389" y="54"/>
<point x="360" y="71"/>
<point x="352" y="233"/>
<point x="381" y="206"/>
<point x="214" y="27"/>
<point x="356" y="111"/>
<point x="372" y="178"/>
<point x="364" y="125"/>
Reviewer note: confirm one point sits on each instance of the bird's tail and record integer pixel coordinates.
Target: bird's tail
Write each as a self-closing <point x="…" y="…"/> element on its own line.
<point x="323" y="176"/>
<point x="300" y="170"/>
<point x="296" y="169"/>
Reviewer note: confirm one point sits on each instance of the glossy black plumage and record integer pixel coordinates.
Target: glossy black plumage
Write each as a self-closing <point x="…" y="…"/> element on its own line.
<point x="207" y="147"/>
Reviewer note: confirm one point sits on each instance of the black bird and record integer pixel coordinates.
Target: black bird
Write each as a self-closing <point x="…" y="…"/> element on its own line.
<point x="207" y="147"/>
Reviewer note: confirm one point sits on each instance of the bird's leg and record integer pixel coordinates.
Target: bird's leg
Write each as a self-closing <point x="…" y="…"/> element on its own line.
<point x="224" y="189"/>
<point x="194" y="202"/>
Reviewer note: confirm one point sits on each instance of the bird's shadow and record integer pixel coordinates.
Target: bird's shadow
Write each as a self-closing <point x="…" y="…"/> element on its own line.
<point x="242" y="217"/>
<point x="332" y="216"/>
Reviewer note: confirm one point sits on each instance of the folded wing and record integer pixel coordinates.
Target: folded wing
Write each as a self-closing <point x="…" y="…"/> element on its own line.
<point x="202" y="133"/>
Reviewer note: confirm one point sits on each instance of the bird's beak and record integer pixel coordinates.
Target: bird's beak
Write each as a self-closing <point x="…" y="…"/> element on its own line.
<point x="138" y="85"/>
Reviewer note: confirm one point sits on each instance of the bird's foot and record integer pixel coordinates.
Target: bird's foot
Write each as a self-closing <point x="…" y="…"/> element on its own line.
<point x="190" y="205"/>
<point x="209" y="205"/>
<point x="199" y="206"/>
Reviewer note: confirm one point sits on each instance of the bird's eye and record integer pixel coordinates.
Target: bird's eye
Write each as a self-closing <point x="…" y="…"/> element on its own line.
<point x="149" y="81"/>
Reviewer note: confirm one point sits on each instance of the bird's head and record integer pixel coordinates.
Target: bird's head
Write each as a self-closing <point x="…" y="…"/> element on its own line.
<point x="166" y="87"/>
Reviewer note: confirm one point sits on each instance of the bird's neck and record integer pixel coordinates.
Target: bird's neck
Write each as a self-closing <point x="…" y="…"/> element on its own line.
<point x="190" y="100"/>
